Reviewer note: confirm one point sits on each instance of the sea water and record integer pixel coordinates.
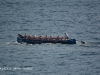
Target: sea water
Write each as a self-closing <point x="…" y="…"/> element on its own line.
<point x="79" y="18"/>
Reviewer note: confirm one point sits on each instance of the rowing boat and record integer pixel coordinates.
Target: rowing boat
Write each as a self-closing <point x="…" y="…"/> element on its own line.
<point x="38" y="40"/>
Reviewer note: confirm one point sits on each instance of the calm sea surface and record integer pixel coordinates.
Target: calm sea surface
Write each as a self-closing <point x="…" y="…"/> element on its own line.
<point x="79" y="18"/>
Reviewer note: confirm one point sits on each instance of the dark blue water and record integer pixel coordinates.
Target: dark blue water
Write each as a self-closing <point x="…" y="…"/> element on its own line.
<point x="79" y="18"/>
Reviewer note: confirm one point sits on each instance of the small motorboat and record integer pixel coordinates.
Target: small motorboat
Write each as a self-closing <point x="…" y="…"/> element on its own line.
<point x="40" y="39"/>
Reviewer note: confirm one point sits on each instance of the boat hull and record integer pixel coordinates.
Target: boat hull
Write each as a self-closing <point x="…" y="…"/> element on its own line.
<point x="67" y="41"/>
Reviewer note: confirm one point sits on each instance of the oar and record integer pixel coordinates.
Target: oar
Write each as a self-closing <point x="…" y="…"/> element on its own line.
<point x="81" y="41"/>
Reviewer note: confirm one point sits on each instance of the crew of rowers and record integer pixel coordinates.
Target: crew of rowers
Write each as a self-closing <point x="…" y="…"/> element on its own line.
<point x="51" y="38"/>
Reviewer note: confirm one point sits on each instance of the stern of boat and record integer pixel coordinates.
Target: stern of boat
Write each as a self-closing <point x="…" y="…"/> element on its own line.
<point x="73" y="41"/>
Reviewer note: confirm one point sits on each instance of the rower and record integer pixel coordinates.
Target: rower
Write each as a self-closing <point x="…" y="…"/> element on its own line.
<point x="66" y="36"/>
<point x="20" y="36"/>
